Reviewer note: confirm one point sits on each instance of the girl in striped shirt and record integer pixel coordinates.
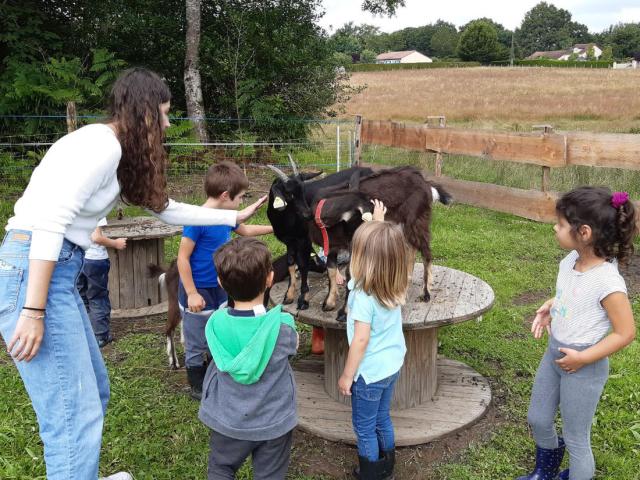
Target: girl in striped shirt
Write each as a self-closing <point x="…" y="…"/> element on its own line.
<point x="589" y="318"/>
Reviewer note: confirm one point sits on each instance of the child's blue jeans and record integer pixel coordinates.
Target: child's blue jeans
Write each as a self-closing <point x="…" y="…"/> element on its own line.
<point x="93" y="284"/>
<point x="370" y="405"/>
<point x="67" y="380"/>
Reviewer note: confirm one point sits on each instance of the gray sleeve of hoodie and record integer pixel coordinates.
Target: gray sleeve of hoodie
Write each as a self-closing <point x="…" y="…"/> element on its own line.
<point x="290" y="337"/>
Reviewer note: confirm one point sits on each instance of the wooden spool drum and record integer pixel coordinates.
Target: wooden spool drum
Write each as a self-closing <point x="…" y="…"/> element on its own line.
<point x="433" y="396"/>
<point x="131" y="292"/>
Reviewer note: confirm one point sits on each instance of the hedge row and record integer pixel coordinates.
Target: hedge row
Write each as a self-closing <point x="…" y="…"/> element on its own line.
<point x="546" y="62"/>
<point x="380" y="67"/>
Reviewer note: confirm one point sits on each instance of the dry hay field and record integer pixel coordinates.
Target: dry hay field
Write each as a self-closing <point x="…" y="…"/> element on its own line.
<point x="598" y="100"/>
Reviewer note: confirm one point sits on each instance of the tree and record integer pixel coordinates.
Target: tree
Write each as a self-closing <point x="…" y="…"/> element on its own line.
<point x="261" y="62"/>
<point x="607" y="54"/>
<point x="382" y="7"/>
<point x="267" y="77"/>
<point x="368" y="56"/>
<point x="192" y="82"/>
<point x="69" y="82"/>
<point x="591" y="53"/>
<point x="546" y="27"/>
<point x="624" y="39"/>
<point x="345" y="40"/>
<point x="342" y="59"/>
<point x="479" y="42"/>
<point x="444" y="42"/>
<point x="505" y="37"/>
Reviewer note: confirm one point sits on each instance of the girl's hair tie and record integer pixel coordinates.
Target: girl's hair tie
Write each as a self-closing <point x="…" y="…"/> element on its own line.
<point x="618" y="199"/>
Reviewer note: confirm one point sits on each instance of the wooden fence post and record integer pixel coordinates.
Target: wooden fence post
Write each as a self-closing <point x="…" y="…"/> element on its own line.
<point x="546" y="171"/>
<point x="442" y="123"/>
<point x="358" y="133"/>
<point x="72" y="117"/>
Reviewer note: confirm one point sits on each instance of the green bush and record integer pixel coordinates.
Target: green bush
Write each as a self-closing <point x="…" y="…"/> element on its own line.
<point x="380" y="67"/>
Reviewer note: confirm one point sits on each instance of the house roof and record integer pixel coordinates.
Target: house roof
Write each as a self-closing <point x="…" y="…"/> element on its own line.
<point x="585" y="46"/>
<point x="395" y="55"/>
<point x="555" y="54"/>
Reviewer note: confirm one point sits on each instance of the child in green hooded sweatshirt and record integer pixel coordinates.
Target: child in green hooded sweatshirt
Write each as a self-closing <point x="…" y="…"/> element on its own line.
<point x="249" y="394"/>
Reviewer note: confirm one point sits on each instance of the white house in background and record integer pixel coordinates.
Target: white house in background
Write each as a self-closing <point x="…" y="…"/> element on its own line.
<point x="407" y="56"/>
<point x="581" y="51"/>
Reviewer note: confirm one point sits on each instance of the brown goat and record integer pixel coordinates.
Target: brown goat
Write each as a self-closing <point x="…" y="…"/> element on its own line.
<point x="408" y="198"/>
<point x="169" y="279"/>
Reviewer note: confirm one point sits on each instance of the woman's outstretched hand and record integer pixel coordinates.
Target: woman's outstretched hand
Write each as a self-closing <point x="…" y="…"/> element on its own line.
<point x="247" y="213"/>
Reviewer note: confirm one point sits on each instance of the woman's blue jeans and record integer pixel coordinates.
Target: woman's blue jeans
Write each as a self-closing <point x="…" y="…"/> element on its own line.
<point x="370" y="405"/>
<point x="67" y="380"/>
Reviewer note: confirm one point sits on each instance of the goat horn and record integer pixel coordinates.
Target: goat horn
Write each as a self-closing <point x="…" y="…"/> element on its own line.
<point x="278" y="172"/>
<point x="293" y="164"/>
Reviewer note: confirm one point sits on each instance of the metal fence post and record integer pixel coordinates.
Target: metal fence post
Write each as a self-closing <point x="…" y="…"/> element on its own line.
<point x="338" y="148"/>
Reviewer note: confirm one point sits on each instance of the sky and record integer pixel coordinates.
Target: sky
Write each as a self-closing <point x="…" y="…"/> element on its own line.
<point x="595" y="14"/>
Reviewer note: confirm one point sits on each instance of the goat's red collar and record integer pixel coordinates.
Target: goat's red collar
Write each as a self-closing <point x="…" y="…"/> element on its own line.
<point x="322" y="227"/>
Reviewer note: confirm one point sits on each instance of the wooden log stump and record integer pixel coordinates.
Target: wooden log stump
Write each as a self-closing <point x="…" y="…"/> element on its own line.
<point x="418" y="380"/>
<point x="130" y="291"/>
<point x="433" y="397"/>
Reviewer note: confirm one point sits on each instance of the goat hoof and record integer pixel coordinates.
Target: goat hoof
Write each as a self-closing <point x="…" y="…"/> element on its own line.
<point x="303" y="305"/>
<point x="287" y="301"/>
<point x="342" y="317"/>
<point x="426" y="298"/>
<point x="327" y="308"/>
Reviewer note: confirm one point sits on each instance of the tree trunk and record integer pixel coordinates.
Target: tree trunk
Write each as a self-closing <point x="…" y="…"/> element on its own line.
<point x="72" y="117"/>
<point x="192" y="86"/>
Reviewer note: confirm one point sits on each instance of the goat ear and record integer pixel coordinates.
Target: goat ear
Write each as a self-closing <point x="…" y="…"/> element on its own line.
<point x="308" y="176"/>
<point x="354" y="181"/>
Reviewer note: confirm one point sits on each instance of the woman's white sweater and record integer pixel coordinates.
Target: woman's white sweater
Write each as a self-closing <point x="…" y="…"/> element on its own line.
<point x="75" y="185"/>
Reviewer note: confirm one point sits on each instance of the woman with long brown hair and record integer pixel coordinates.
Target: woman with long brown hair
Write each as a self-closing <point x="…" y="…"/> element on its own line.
<point x="42" y="317"/>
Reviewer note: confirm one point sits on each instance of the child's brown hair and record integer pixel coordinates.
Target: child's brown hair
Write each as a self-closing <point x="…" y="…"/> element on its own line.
<point x="225" y="177"/>
<point x="612" y="218"/>
<point x="380" y="262"/>
<point x="243" y="266"/>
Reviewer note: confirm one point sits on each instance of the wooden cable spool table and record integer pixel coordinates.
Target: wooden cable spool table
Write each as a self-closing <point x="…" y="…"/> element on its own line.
<point x="434" y="396"/>
<point x="131" y="292"/>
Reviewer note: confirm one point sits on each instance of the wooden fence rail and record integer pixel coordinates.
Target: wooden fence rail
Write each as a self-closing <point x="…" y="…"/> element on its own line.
<point x="546" y="149"/>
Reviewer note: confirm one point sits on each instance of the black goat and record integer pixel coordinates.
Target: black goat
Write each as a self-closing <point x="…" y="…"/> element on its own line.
<point x="408" y="198"/>
<point x="289" y="212"/>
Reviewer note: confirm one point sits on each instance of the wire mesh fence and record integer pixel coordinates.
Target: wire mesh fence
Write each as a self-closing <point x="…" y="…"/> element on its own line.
<point x="329" y="146"/>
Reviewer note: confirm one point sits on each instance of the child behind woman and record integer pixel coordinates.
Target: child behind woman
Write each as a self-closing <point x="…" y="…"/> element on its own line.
<point x="591" y="298"/>
<point x="380" y="277"/>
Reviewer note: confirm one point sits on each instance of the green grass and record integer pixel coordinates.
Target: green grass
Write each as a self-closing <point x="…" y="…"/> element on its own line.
<point x="152" y="428"/>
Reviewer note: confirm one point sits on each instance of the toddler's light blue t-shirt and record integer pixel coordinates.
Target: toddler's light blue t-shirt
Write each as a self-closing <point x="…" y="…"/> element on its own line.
<point x="385" y="352"/>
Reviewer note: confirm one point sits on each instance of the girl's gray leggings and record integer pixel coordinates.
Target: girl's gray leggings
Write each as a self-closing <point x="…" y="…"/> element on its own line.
<point x="577" y="395"/>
